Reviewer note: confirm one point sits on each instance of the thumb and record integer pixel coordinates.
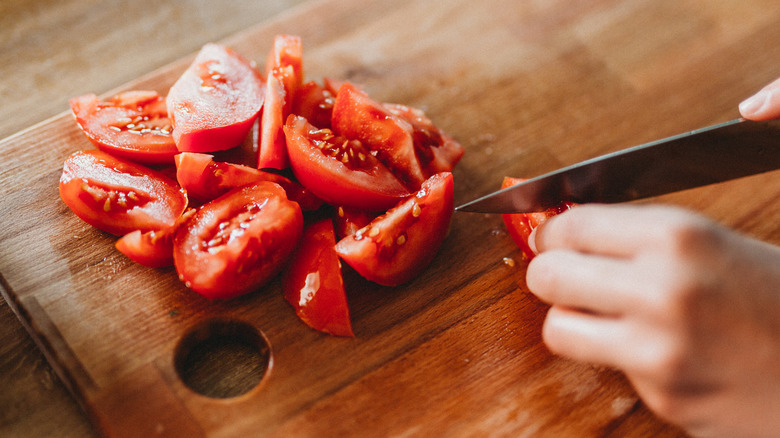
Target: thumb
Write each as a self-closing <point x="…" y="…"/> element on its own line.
<point x="764" y="105"/>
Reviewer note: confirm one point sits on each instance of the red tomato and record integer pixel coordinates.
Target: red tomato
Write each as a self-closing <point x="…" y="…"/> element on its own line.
<point x="205" y="179"/>
<point x="213" y="104"/>
<point x="236" y="243"/>
<point x="395" y="247"/>
<point x="347" y="221"/>
<point x="314" y="102"/>
<point x="152" y="248"/>
<point x="133" y="125"/>
<point x="284" y="75"/>
<point x="357" y="116"/>
<point x="404" y="139"/>
<point x="436" y="151"/>
<point x="119" y="196"/>
<point x="339" y="171"/>
<point x="520" y="225"/>
<point x="313" y="284"/>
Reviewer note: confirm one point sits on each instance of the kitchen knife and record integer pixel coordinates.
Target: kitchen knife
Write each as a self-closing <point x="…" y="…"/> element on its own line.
<point x="697" y="158"/>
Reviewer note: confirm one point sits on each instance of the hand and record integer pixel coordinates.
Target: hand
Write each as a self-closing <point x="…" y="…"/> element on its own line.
<point x="688" y="310"/>
<point x="764" y="105"/>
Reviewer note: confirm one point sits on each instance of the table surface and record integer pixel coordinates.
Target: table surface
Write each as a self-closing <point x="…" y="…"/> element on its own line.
<point x="53" y="50"/>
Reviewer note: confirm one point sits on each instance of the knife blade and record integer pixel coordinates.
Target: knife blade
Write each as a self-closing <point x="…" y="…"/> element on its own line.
<point x="710" y="155"/>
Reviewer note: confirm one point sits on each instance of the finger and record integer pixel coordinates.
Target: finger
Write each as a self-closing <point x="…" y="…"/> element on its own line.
<point x="609" y="230"/>
<point x="764" y="105"/>
<point x="609" y="286"/>
<point x="585" y="337"/>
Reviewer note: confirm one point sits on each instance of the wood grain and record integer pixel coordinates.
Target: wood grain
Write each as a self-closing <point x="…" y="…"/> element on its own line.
<point x="457" y="352"/>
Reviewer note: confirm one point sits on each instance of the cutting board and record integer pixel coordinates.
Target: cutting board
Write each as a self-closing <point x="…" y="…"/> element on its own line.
<point x="526" y="87"/>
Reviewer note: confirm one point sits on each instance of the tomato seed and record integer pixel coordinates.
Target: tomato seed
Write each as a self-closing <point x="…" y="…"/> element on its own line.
<point x="416" y="210"/>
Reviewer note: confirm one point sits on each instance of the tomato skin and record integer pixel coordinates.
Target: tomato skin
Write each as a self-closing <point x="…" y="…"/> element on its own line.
<point x="215" y="101"/>
<point x="205" y="179"/>
<point x="315" y="102"/>
<point x="284" y="77"/>
<point x="369" y="186"/>
<point x="398" y="245"/>
<point x="313" y="284"/>
<point x="357" y="116"/>
<point x="133" y="125"/>
<point x="119" y="196"/>
<point x="236" y="243"/>
<point x="152" y="248"/>
<point x="520" y="225"/>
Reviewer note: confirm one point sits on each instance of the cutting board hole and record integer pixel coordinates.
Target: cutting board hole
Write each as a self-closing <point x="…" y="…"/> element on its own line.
<point x="223" y="358"/>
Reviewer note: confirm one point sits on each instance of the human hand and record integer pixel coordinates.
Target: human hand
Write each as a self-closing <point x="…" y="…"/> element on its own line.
<point x="764" y="105"/>
<point x="687" y="309"/>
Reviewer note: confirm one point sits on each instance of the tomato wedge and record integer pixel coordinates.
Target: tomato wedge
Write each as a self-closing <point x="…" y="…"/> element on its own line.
<point x="313" y="284"/>
<point x="398" y="245"/>
<point x="215" y="101"/>
<point x="152" y="248"/>
<point x="314" y="102"/>
<point x="284" y="77"/>
<point x="347" y="221"/>
<point x="236" y="243"/>
<point x="119" y="196"/>
<point x="133" y="125"/>
<point x="205" y="179"/>
<point x="520" y="225"/>
<point x="339" y="171"/>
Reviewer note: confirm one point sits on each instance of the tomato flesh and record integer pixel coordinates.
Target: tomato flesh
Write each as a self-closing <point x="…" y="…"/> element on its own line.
<point x="520" y="225"/>
<point x="119" y="196"/>
<point x="398" y="245"/>
<point x="347" y="221"/>
<point x="236" y="243"/>
<point x="133" y="125"/>
<point x="152" y="248"/>
<point x="339" y="171"/>
<point x="215" y="101"/>
<point x="205" y="179"/>
<point x="313" y="284"/>
<point x="314" y="102"/>
<point x="284" y="77"/>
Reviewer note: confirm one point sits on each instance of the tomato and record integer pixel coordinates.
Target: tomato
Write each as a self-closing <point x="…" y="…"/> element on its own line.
<point x="313" y="284"/>
<point x="284" y="76"/>
<point x="314" y="102"/>
<point x="347" y="221"/>
<point x="436" y="151"/>
<point x="215" y="101"/>
<point x="119" y="196"/>
<point x="236" y="243"/>
<point x="205" y="179"/>
<point x="339" y="171"/>
<point x="398" y="245"/>
<point x="133" y="125"/>
<point x="404" y="139"/>
<point x="520" y="225"/>
<point x="152" y="248"/>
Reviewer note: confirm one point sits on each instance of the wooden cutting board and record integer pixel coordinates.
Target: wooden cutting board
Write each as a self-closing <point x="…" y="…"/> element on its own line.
<point x="526" y="87"/>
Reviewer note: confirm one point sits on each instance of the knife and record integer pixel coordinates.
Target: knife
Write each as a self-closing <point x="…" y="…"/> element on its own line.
<point x="710" y="155"/>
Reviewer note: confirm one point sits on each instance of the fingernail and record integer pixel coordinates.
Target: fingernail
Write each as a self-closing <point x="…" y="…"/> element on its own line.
<point x="532" y="241"/>
<point x="755" y="103"/>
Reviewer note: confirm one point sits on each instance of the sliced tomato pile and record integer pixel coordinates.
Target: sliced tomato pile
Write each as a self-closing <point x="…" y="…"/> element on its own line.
<point x="339" y="177"/>
<point x="520" y="225"/>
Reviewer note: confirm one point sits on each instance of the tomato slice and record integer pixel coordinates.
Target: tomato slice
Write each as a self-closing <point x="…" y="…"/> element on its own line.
<point x="215" y="101"/>
<point x="398" y="245"/>
<point x="314" y="102"/>
<point x="119" y="196"/>
<point x="236" y="243"/>
<point x="284" y="75"/>
<point x="152" y="248"/>
<point x="313" y="284"/>
<point x="436" y="151"/>
<point x="357" y="116"/>
<point x="520" y="225"/>
<point x="347" y="221"/>
<point x="133" y="125"/>
<point x="205" y="179"/>
<point x="339" y="171"/>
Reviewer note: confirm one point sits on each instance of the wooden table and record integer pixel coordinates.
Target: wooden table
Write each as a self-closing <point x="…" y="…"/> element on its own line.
<point x="573" y="80"/>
